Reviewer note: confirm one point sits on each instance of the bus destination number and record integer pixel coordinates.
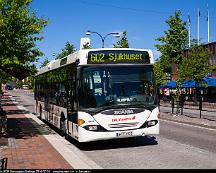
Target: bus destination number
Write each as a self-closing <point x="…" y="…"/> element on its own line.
<point x="97" y="57"/>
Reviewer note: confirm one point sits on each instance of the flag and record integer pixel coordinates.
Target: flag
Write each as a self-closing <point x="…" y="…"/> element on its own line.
<point x="198" y="12"/>
<point x="189" y="44"/>
<point x="198" y="26"/>
<point x="189" y="22"/>
<point x="208" y="23"/>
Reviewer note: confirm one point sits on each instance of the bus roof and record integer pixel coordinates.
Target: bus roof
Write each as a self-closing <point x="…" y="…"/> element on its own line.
<point x="82" y="55"/>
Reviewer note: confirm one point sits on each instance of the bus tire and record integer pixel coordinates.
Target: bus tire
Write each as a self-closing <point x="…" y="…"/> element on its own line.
<point x="40" y="113"/>
<point x="62" y="125"/>
<point x="67" y="137"/>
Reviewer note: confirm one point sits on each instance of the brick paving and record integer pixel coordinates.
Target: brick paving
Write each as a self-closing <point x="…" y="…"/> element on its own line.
<point x="26" y="147"/>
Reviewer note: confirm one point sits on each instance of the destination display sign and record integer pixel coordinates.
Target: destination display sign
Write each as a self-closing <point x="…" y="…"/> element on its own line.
<point x="118" y="56"/>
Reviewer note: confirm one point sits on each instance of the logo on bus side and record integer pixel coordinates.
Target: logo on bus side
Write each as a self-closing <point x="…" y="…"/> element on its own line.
<point x="123" y="119"/>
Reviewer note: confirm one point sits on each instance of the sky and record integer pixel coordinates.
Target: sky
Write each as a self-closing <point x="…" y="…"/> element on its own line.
<point x="143" y="20"/>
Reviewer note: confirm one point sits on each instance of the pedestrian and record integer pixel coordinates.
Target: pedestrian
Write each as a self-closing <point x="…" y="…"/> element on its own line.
<point x="3" y="122"/>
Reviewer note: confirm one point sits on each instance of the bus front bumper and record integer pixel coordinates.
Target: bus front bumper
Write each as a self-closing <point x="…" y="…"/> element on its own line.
<point x="88" y="136"/>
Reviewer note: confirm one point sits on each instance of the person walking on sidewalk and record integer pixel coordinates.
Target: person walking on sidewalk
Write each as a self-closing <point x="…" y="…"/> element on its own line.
<point x="3" y="122"/>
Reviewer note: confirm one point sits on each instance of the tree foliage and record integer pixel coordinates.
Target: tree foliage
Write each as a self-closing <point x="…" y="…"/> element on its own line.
<point x="193" y="42"/>
<point x="173" y="41"/>
<point x="86" y="46"/>
<point x="195" y="66"/>
<point x="67" y="50"/>
<point x="160" y="75"/>
<point x="44" y="63"/>
<point x="4" y="78"/>
<point x="20" y="29"/>
<point x="122" y="42"/>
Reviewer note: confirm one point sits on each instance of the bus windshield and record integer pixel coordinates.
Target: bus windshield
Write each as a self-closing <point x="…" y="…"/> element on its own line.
<point x="116" y="85"/>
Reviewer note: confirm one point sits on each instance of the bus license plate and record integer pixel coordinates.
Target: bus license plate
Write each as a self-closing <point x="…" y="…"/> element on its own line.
<point x="124" y="134"/>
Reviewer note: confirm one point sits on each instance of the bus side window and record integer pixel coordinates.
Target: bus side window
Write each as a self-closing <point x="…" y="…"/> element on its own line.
<point x="71" y="95"/>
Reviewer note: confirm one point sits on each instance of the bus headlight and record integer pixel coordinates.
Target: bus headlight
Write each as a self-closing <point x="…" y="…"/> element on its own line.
<point x="93" y="128"/>
<point x="151" y="123"/>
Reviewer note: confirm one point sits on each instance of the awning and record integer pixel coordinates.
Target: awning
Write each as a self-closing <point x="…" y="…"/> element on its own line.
<point x="171" y="84"/>
<point x="210" y="81"/>
<point x="185" y="84"/>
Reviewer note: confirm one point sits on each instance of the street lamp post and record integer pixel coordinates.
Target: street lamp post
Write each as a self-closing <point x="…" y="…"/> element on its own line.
<point x="102" y="38"/>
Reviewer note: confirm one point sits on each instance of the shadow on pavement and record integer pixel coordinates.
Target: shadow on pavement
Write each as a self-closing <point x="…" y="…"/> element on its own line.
<point x="25" y="128"/>
<point x="9" y="104"/>
<point x="11" y="112"/>
<point x="116" y="143"/>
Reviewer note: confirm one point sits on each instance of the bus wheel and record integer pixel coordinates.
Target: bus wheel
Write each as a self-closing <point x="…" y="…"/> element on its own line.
<point x="67" y="137"/>
<point x="62" y="125"/>
<point x="40" y="112"/>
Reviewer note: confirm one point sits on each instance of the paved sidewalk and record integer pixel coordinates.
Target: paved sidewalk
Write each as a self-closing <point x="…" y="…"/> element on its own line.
<point x="25" y="145"/>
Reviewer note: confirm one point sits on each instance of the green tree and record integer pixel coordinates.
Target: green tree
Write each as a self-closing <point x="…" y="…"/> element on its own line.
<point x="86" y="46"/>
<point x="194" y="42"/>
<point x="173" y="42"/>
<point x="173" y="45"/>
<point x="19" y="84"/>
<point x="122" y="42"/>
<point x="20" y="29"/>
<point x="195" y="66"/>
<point x="160" y="75"/>
<point x="44" y="63"/>
<point x="4" y="78"/>
<point x="67" y="50"/>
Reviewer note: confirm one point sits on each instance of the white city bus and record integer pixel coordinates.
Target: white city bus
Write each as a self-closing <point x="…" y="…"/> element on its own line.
<point x="100" y="94"/>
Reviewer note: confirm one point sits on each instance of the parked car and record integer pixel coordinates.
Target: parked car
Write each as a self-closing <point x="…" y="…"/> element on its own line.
<point x="25" y="87"/>
<point x="8" y="87"/>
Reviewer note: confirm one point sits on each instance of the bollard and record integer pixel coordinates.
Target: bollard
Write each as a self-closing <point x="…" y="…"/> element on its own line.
<point x="172" y="104"/>
<point x="3" y="163"/>
<point x="200" y="106"/>
<point x="181" y="100"/>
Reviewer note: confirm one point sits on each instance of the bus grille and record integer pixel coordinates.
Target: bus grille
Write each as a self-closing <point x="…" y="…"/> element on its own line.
<point x="122" y="125"/>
